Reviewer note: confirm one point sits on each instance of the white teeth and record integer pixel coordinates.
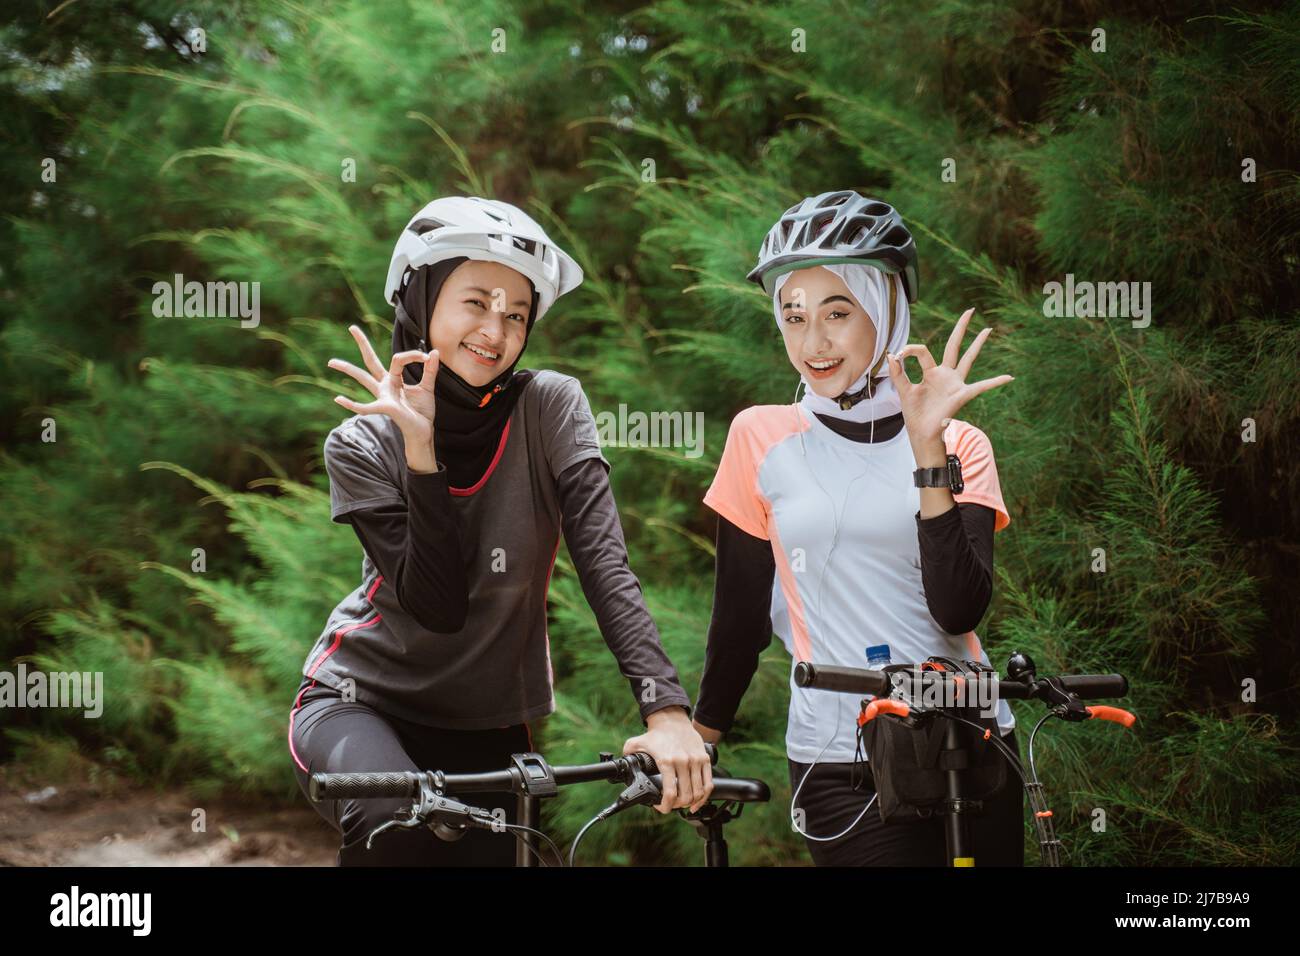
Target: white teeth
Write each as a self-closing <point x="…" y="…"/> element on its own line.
<point x="825" y="364"/>
<point x="482" y="351"/>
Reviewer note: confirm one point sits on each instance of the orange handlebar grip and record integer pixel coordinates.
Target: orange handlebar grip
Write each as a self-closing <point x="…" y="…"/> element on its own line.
<point x="891" y="706"/>
<point x="1117" y="714"/>
<point x="882" y="706"/>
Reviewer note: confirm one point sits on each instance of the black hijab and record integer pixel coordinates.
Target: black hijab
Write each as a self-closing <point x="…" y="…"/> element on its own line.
<point x="469" y="419"/>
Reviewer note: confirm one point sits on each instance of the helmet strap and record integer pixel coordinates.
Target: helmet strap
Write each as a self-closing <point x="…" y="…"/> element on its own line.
<point x="847" y="400"/>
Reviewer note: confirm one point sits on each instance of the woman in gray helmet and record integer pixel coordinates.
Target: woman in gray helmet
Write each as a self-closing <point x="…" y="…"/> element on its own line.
<point x="459" y="478"/>
<point x="819" y="506"/>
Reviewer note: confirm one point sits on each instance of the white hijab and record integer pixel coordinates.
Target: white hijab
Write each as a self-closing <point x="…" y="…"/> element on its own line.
<point x="870" y="286"/>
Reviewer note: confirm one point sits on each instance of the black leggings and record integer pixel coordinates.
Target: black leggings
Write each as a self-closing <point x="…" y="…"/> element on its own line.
<point x="328" y="734"/>
<point x="830" y="804"/>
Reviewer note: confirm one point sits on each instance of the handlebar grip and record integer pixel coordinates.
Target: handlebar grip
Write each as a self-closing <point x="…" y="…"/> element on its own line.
<point x="883" y="705"/>
<point x="325" y="786"/>
<point x="650" y="768"/>
<point x="851" y="680"/>
<point x="1086" y="686"/>
<point x="736" y="789"/>
<point x="1116" y="714"/>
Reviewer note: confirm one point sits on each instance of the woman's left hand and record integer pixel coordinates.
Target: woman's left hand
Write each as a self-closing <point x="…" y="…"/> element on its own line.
<point x="929" y="404"/>
<point x="679" y="752"/>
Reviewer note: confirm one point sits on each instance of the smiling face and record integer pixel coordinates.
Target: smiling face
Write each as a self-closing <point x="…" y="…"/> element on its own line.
<point x="480" y="321"/>
<point x="829" y="338"/>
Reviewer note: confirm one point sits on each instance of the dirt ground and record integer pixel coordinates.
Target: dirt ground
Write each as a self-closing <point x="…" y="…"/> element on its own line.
<point x="53" y="826"/>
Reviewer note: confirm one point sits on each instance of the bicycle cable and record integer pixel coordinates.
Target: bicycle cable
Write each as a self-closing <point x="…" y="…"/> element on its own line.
<point x="559" y="855"/>
<point x="573" y="847"/>
<point x="1033" y="770"/>
<point x="995" y="739"/>
<point x="1048" y="845"/>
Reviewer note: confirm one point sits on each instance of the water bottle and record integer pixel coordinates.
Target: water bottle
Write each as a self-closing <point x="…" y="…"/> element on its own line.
<point x="877" y="656"/>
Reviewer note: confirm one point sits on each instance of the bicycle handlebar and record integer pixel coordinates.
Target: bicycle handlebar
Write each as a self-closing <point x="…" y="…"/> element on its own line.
<point x="730" y="789"/>
<point x="856" y="680"/>
<point x="1094" y="686"/>
<point x="846" y="680"/>
<point x="366" y="785"/>
<point x="908" y="690"/>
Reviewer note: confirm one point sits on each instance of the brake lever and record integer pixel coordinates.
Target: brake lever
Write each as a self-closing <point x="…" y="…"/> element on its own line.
<point x="412" y="821"/>
<point x="449" y="816"/>
<point x="412" y="816"/>
<point x="1062" y="703"/>
<point x="641" y="790"/>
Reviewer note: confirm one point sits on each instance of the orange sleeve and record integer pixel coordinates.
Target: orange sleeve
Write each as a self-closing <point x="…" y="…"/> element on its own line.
<point x="734" y="493"/>
<point x="979" y="471"/>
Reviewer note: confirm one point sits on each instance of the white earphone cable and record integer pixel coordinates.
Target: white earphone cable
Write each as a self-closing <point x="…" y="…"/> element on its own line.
<point x="839" y="710"/>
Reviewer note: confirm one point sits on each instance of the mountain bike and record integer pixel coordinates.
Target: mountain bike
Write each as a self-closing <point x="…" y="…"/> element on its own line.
<point x="908" y="693"/>
<point x="532" y="779"/>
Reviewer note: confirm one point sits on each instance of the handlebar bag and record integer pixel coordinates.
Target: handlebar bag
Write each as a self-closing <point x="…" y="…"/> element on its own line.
<point x="909" y="765"/>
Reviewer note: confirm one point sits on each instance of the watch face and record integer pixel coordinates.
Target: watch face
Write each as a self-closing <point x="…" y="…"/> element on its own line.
<point x="955" y="482"/>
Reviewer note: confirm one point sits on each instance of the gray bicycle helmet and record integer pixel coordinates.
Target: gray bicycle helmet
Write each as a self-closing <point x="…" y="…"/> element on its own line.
<point x="837" y="227"/>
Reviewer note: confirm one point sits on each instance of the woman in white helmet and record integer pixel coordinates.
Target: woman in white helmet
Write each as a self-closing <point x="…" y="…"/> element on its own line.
<point x="867" y="512"/>
<point x="459" y="478"/>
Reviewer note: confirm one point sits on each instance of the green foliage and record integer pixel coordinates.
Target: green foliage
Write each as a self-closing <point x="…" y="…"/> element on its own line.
<point x="178" y="434"/>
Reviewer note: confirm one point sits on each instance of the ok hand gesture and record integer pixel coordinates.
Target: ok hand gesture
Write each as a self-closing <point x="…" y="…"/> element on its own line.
<point x="928" y="404"/>
<point x="411" y="407"/>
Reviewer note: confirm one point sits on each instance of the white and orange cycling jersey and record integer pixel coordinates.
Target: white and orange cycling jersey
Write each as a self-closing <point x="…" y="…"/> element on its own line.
<point x="841" y="519"/>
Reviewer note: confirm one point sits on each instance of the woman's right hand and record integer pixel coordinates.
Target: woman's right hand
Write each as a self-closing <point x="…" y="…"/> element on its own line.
<point x="411" y="407"/>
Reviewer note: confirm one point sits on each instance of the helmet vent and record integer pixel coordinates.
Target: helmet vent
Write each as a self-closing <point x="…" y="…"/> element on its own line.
<point x="856" y="229"/>
<point x="898" y="236"/>
<point x="819" y="224"/>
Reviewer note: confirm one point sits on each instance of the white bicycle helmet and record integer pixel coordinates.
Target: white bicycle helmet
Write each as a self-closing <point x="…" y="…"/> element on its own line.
<point x="837" y="227"/>
<point x="488" y="230"/>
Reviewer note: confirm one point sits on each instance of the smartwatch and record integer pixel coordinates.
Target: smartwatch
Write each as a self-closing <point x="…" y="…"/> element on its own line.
<point x="948" y="476"/>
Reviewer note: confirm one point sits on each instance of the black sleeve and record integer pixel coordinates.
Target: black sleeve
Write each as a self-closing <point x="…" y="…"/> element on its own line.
<point x="957" y="565"/>
<point x="416" y="547"/>
<point x="595" y="538"/>
<point x="741" y="626"/>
